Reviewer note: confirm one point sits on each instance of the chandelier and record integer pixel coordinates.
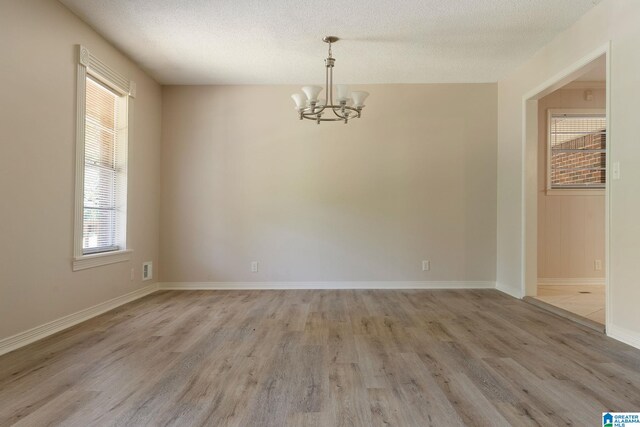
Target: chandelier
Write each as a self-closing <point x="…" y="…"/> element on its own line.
<point x="349" y="103"/>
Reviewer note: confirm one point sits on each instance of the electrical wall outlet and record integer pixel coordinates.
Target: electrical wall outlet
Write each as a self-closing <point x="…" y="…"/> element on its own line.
<point x="597" y="265"/>
<point x="616" y="170"/>
<point x="426" y="265"/>
<point x="147" y="270"/>
<point x="254" y="266"/>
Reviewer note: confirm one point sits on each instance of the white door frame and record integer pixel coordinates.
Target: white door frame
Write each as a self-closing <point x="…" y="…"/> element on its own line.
<point x="529" y="160"/>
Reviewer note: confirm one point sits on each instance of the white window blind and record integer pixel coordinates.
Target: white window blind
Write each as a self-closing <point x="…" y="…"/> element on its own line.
<point x="577" y="144"/>
<point x="102" y="124"/>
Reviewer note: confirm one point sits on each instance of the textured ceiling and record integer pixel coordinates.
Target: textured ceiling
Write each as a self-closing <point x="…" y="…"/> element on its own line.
<point x="279" y="41"/>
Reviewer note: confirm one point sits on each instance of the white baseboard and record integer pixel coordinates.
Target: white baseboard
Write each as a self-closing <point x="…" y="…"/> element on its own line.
<point x="572" y="281"/>
<point x="27" y="337"/>
<point x="327" y="285"/>
<point x="631" y="338"/>
<point x="514" y="292"/>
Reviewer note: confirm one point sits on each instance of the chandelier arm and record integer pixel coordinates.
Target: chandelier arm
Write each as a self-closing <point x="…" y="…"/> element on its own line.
<point x="329" y="76"/>
<point x="348" y="112"/>
<point x="331" y="86"/>
<point x="308" y="110"/>
<point x="326" y="83"/>
<point x="338" y="115"/>
<point x="317" y="110"/>
<point x="322" y="120"/>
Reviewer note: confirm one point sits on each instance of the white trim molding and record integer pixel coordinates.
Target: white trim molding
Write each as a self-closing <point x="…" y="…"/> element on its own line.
<point x="577" y="84"/>
<point x="576" y="192"/>
<point x="102" y="71"/>
<point x="103" y="258"/>
<point x="327" y="285"/>
<point x="572" y="281"/>
<point x="624" y="335"/>
<point x="512" y="291"/>
<point x="39" y="332"/>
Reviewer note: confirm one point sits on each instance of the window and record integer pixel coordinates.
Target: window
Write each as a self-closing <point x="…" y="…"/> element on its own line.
<point x="577" y="149"/>
<point x="104" y="180"/>
<point x="101" y="164"/>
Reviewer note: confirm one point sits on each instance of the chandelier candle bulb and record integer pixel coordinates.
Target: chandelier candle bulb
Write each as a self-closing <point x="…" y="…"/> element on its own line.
<point x="359" y="98"/>
<point x="300" y="100"/>
<point x="312" y="92"/>
<point x="313" y="108"/>
<point x="343" y="93"/>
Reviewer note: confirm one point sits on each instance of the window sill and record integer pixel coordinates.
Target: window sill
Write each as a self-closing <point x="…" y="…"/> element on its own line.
<point x="576" y="192"/>
<point x="96" y="260"/>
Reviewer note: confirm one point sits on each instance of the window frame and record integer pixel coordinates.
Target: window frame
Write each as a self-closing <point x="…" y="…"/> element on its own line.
<point x="573" y="191"/>
<point x="90" y="66"/>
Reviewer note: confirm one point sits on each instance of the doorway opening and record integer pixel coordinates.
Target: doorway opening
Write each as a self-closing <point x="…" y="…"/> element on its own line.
<point x="566" y="193"/>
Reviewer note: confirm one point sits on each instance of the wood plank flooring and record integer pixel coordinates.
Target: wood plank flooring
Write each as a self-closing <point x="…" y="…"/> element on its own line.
<point x="320" y="358"/>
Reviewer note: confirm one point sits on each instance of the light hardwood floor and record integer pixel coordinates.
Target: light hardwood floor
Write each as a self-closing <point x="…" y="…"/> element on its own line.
<point x="584" y="300"/>
<point x="322" y="358"/>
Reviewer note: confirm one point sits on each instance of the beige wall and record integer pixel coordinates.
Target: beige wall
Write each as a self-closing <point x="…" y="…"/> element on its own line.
<point x="570" y="227"/>
<point x="37" y="164"/>
<point x="614" y="21"/>
<point x="244" y="180"/>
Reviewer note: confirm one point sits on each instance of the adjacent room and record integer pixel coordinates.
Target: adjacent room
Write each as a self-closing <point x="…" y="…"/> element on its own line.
<point x="571" y="199"/>
<point x="241" y="213"/>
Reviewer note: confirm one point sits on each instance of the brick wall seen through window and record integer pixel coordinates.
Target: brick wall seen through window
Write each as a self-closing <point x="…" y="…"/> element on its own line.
<point x="577" y="150"/>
